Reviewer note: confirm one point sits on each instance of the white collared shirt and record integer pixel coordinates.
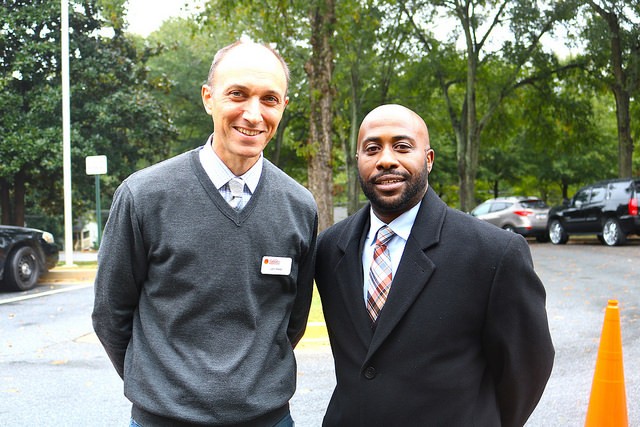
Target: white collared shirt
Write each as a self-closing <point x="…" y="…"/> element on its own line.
<point x="401" y="226"/>
<point x="220" y="174"/>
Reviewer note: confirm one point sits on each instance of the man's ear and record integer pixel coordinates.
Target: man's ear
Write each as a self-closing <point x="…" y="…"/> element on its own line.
<point x="430" y="155"/>
<point x="207" y="96"/>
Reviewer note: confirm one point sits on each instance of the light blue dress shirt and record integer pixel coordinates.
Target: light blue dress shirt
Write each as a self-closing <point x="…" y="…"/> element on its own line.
<point x="401" y="226"/>
<point x="220" y="174"/>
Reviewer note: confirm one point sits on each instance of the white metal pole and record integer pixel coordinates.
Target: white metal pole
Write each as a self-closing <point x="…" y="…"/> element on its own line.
<point x="66" y="134"/>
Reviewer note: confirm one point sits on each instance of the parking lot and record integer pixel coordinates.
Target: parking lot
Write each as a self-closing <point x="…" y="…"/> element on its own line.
<point x="54" y="373"/>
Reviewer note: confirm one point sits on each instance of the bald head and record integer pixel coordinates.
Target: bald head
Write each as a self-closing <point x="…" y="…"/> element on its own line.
<point x="248" y="49"/>
<point x="389" y="115"/>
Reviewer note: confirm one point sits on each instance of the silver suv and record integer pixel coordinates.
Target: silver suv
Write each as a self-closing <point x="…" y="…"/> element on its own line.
<point x="522" y="215"/>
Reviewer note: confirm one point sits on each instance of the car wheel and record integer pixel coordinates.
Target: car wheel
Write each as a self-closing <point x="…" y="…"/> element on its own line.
<point x="557" y="235"/>
<point x="611" y="233"/>
<point x="22" y="270"/>
<point x="542" y="238"/>
<point x="510" y="228"/>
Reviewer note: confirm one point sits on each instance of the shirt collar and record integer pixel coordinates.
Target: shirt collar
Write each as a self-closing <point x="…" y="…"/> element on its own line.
<point x="220" y="174"/>
<point x="401" y="226"/>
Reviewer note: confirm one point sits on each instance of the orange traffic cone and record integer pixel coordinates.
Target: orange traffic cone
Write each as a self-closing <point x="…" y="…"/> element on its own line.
<point x="608" y="402"/>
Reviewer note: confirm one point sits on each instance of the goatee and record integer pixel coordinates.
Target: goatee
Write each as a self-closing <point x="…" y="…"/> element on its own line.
<point x="411" y="195"/>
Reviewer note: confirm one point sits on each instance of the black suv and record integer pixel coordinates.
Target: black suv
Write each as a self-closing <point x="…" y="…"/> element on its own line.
<point x="608" y="209"/>
<point x="25" y="253"/>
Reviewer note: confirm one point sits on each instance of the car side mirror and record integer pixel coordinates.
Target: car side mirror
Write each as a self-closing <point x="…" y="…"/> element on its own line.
<point x="578" y="204"/>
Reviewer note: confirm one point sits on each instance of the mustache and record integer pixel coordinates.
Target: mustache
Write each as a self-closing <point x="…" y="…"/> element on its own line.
<point x="386" y="174"/>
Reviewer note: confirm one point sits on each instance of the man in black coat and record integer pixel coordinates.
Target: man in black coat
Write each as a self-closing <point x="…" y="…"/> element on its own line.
<point x="445" y="323"/>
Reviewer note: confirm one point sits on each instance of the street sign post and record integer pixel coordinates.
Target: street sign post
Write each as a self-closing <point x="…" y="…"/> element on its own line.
<point x="97" y="165"/>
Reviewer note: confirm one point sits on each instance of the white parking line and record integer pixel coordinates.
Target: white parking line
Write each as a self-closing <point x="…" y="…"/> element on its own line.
<point x="45" y="293"/>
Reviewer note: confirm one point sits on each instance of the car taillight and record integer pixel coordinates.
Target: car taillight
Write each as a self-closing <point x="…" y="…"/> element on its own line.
<point x="633" y="206"/>
<point x="523" y="213"/>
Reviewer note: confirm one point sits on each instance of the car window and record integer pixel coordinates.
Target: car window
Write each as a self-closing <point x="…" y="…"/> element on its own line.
<point x="534" y="204"/>
<point x="619" y="190"/>
<point x="500" y="206"/>
<point x="597" y="194"/>
<point x="481" y="209"/>
<point x="582" y="196"/>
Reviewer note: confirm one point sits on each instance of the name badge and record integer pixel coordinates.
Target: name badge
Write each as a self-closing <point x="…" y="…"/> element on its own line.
<point x="277" y="266"/>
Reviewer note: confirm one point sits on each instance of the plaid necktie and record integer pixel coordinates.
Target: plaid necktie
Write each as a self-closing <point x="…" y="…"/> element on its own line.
<point x="236" y="185"/>
<point x="380" y="275"/>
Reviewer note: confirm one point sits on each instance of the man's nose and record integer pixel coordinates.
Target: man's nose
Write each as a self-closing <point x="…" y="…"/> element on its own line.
<point x="252" y="112"/>
<point x="387" y="159"/>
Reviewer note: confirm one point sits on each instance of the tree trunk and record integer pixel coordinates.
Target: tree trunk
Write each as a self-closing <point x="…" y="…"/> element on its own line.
<point x="18" y="199"/>
<point x="319" y="68"/>
<point x="564" y="186"/>
<point x="467" y="189"/>
<point x="468" y="157"/>
<point x="5" y="202"/>
<point x="279" y="138"/>
<point x="353" y="184"/>
<point x="468" y="152"/>
<point x="625" y="141"/>
<point x="620" y="91"/>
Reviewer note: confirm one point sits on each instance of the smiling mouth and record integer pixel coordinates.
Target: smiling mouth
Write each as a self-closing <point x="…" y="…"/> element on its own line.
<point x="248" y="132"/>
<point x="388" y="179"/>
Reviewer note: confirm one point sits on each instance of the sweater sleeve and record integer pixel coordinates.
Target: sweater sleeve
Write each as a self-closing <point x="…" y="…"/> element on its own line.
<point x="517" y="338"/>
<point x="122" y="268"/>
<point x="304" y="290"/>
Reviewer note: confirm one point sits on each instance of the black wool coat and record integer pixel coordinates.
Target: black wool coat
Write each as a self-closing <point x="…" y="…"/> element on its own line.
<point x="463" y="339"/>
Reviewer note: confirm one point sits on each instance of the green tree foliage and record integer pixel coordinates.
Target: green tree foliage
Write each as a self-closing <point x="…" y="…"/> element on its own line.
<point x="112" y="111"/>
<point x="475" y="70"/>
<point x="454" y="62"/>
<point x="472" y="89"/>
<point x="180" y="66"/>
<point x="27" y="100"/>
<point x="565" y="135"/>
<point x="611" y="34"/>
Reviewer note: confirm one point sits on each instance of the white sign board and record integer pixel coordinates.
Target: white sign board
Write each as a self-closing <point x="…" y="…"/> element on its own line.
<point x="96" y="165"/>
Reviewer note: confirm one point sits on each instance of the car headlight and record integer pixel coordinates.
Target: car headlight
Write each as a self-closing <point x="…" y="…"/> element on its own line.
<point x="47" y="237"/>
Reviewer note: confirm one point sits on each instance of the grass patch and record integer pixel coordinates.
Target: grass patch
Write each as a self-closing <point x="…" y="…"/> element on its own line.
<point x="315" y="314"/>
<point x="79" y="263"/>
<point x="316" y="333"/>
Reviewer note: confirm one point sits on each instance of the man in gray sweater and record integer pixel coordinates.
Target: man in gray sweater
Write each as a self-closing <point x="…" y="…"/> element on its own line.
<point x="205" y="271"/>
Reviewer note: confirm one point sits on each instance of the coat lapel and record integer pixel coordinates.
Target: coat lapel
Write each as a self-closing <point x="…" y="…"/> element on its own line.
<point x="349" y="275"/>
<point x="415" y="267"/>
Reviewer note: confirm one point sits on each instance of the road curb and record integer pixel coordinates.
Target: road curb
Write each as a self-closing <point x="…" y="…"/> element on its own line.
<point x="68" y="274"/>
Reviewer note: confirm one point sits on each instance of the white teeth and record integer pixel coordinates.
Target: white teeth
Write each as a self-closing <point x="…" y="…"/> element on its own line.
<point x="248" y="132"/>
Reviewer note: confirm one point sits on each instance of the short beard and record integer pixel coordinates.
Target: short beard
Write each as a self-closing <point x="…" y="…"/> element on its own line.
<point x="409" y="198"/>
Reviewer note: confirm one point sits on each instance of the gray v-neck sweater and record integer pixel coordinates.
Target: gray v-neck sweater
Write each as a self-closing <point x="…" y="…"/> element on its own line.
<point x="198" y="333"/>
